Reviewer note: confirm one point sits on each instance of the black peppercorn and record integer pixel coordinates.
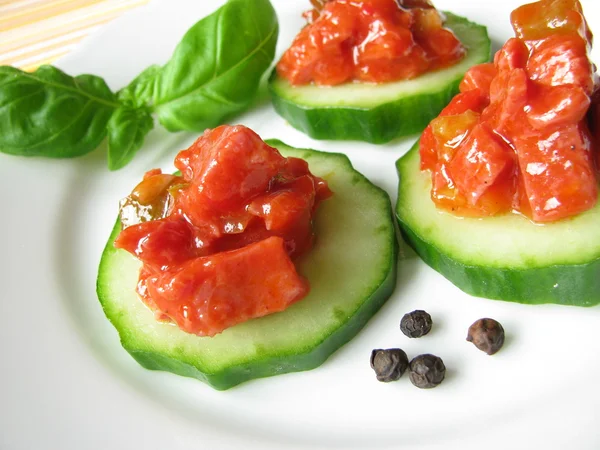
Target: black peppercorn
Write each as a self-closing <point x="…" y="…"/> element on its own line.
<point x="390" y="364"/>
<point x="487" y="335"/>
<point x="427" y="371"/>
<point x="416" y="324"/>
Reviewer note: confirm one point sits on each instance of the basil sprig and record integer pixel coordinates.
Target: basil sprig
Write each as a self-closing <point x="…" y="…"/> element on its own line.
<point x="212" y="75"/>
<point x="49" y="113"/>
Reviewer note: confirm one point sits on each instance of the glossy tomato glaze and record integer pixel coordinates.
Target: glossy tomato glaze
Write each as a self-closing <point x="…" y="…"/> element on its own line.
<point x="371" y="41"/>
<point x="517" y="138"/>
<point x="217" y="243"/>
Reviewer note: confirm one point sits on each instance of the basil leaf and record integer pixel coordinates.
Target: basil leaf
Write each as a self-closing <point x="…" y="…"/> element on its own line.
<point x="127" y="129"/>
<point x="139" y="92"/>
<point x="49" y="113"/>
<point x="217" y="67"/>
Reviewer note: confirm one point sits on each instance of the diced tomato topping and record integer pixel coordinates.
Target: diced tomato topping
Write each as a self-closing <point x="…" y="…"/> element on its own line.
<point x="513" y="55"/>
<point x="441" y="47"/>
<point x="428" y="149"/>
<point x="520" y="202"/>
<point x="474" y="100"/>
<point x="450" y="131"/>
<point x="556" y="106"/>
<point x="508" y="97"/>
<point x="160" y="243"/>
<point x="478" y="77"/>
<point x="426" y="19"/>
<point x="547" y="18"/>
<point x="227" y="153"/>
<point x="526" y="146"/>
<point x="236" y="218"/>
<point x="559" y="179"/>
<point x="495" y="200"/>
<point x="373" y="41"/>
<point x="294" y="199"/>
<point x="559" y="60"/>
<point x="151" y="199"/>
<point x="443" y="191"/>
<point x="479" y="160"/>
<point x="206" y="295"/>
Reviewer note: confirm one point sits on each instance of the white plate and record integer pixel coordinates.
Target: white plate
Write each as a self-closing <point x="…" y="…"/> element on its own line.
<point x="67" y="384"/>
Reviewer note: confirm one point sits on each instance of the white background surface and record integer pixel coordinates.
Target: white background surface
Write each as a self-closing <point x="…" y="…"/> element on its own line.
<point x="66" y="383"/>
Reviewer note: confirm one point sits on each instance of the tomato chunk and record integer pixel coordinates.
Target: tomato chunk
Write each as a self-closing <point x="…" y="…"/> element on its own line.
<point x="473" y="100"/>
<point x="557" y="105"/>
<point x="560" y="60"/>
<point x="513" y="55"/>
<point x="508" y="96"/>
<point x="282" y="208"/>
<point x="450" y="131"/>
<point x="557" y="172"/>
<point x="544" y="19"/>
<point x="151" y="199"/>
<point x="161" y="243"/>
<point x="209" y="294"/>
<point x="478" y="162"/>
<point x="227" y="153"/>
<point x="441" y="46"/>
<point x="478" y="77"/>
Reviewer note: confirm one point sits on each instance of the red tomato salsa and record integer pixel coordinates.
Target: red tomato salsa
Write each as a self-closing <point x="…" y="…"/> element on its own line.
<point x="370" y="41"/>
<point x="516" y="137"/>
<point x="218" y="242"/>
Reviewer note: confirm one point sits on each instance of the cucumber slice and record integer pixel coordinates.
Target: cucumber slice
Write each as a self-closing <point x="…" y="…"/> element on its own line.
<point x="351" y="269"/>
<point x="506" y="257"/>
<point x="378" y="113"/>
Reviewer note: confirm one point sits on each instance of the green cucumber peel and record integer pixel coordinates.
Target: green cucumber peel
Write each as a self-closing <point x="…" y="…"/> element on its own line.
<point x="213" y="74"/>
